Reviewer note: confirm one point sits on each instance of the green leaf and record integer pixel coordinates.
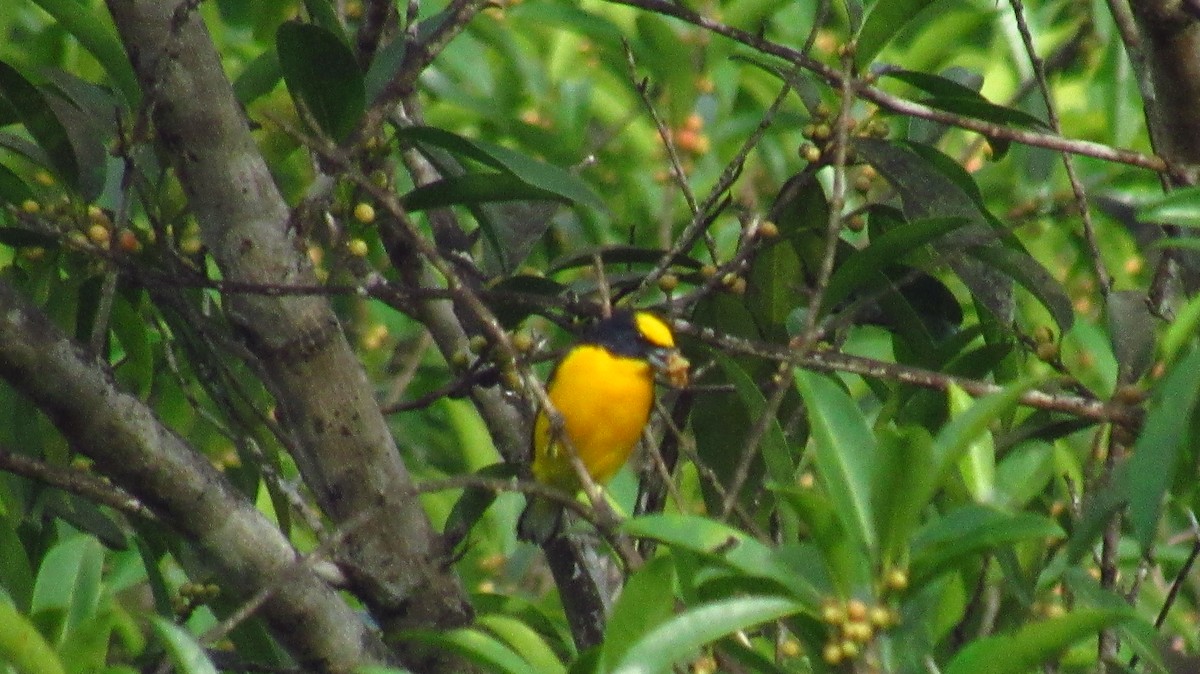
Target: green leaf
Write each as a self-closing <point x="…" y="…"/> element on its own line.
<point x="775" y="452"/>
<point x="474" y="502"/>
<point x="474" y="188"/>
<point x="96" y="33"/>
<point x="885" y="19"/>
<point x="1181" y="331"/>
<point x="258" y="78"/>
<point x="321" y="73"/>
<point x="860" y="272"/>
<point x="41" y="122"/>
<point x="1031" y="275"/>
<point x="978" y="464"/>
<point x="904" y="456"/>
<point x="1131" y="329"/>
<point x="185" y="652"/>
<point x="1179" y="207"/>
<point x="620" y="254"/>
<point x="13" y="190"/>
<point x="845" y="454"/>
<point x="956" y="437"/>
<point x="645" y="602"/>
<point x="687" y="632"/>
<point x="1156" y="453"/>
<point x="953" y="96"/>
<point x="724" y="545"/>
<point x="537" y="174"/>
<point x="525" y="640"/>
<point x="1032" y="645"/>
<point x="68" y="581"/>
<point x="775" y="276"/>
<point x="474" y="645"/>
<point x="22" y="646"/>
<point x="966" y="531"/>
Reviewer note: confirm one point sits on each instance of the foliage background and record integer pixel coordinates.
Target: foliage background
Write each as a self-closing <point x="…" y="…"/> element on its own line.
<point x="279" y="281"/>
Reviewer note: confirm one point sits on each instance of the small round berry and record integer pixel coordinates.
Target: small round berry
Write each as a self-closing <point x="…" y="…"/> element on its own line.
<point x="668" y="283"/>
<point x="364" y="213"/>
<point x="30" y="206"/>
<point x="357" y="247"/>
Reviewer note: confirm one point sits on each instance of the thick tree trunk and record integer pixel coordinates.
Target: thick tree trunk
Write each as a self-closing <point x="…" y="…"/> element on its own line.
<point x="343" y="447"/>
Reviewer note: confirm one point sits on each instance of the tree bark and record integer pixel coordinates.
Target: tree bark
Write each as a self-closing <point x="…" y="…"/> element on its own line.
<point x="343" y="447"/>
<point x="131" y="446"/>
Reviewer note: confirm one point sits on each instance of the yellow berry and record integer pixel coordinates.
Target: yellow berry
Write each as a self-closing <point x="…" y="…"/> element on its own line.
<point x="833" y="613"/>
<point x="858" y="631"/>
<point x="364" y="213"/>
<point x="896" y="579"/>
<point x="790" y="648"/>
<point x="43" y="178"/>
<point x="99" y="234"/>
<point x="856" y="222"/>
<point x="810" y="153"/>
<point x="768" y="230"/>
<point x="856" y="609"/>
<point x="1047" y="351"/>
<point x="882" y="616"/>
<point x="668" y="282"/>
<point x="708" y="271"/>
<point x="357" y="247"/>
<point x="477" y="344"/>
<point x="191" y="245"/>
<point x="522" y="342"/>
<point x="30" y="206"/>
<point x="832" y="654"/>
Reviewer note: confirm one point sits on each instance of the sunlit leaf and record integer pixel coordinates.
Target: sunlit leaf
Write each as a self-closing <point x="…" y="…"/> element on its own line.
<point x="844" y="451"/>
<point x="687" y="632"/>
<point x="38" y="117"/>
<point x="1034" y="644"/>
<point x="185" y="652"/>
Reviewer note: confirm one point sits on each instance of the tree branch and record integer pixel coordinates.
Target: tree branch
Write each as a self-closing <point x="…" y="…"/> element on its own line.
<point x="343" y="447"/>
<point x="149" y="461"/>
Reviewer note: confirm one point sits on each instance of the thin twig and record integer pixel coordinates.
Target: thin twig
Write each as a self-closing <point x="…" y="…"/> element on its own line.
<point x="906" y="107"/>
<point x="75" y="481"/>
<point x="1039" y="73"/>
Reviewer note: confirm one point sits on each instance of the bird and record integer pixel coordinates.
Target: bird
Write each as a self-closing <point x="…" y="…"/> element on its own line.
<point x="603" y="390"/>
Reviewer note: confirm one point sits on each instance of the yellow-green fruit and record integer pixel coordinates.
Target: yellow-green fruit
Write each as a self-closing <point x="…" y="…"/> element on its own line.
<point x="357" y="247"/>
<point x="364" y="213"/>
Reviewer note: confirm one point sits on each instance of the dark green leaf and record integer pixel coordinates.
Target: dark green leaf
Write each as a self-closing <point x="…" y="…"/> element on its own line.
<point x="321" y="73"/>
<point x="621" y="254"/>
<point x="969" y="530"/>
<point x="474" y="188"/>
<point x="884" y="20"/>
<point x="384" y="66"/>
<point x="536" y="174"/>
<point x="258" y="78"/>
<point x="1131" y="329"/>
<point x="860" y="271"/>
<point x="954" y="97"/>
<point x="774" y="446"/>
<point x="45" y="127"/>
<point x="474" y="502"/>
<point x="1031" y="275"/>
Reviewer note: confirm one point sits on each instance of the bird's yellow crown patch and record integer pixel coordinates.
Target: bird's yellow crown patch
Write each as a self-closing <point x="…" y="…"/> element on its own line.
<point x="654" y="330"/>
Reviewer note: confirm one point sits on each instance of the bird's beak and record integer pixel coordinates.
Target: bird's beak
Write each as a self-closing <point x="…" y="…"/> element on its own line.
<point x="672" y="364"/>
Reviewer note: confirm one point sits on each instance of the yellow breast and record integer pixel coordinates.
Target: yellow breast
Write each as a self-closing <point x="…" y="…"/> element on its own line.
<point x="605" y="402"/>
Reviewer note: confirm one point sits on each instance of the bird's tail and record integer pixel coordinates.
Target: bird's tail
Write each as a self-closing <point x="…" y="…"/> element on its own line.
<point x="540" y="521"/>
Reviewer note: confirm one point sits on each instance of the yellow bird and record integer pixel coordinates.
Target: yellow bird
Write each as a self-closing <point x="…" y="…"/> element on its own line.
<point x="603" y="388"/>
